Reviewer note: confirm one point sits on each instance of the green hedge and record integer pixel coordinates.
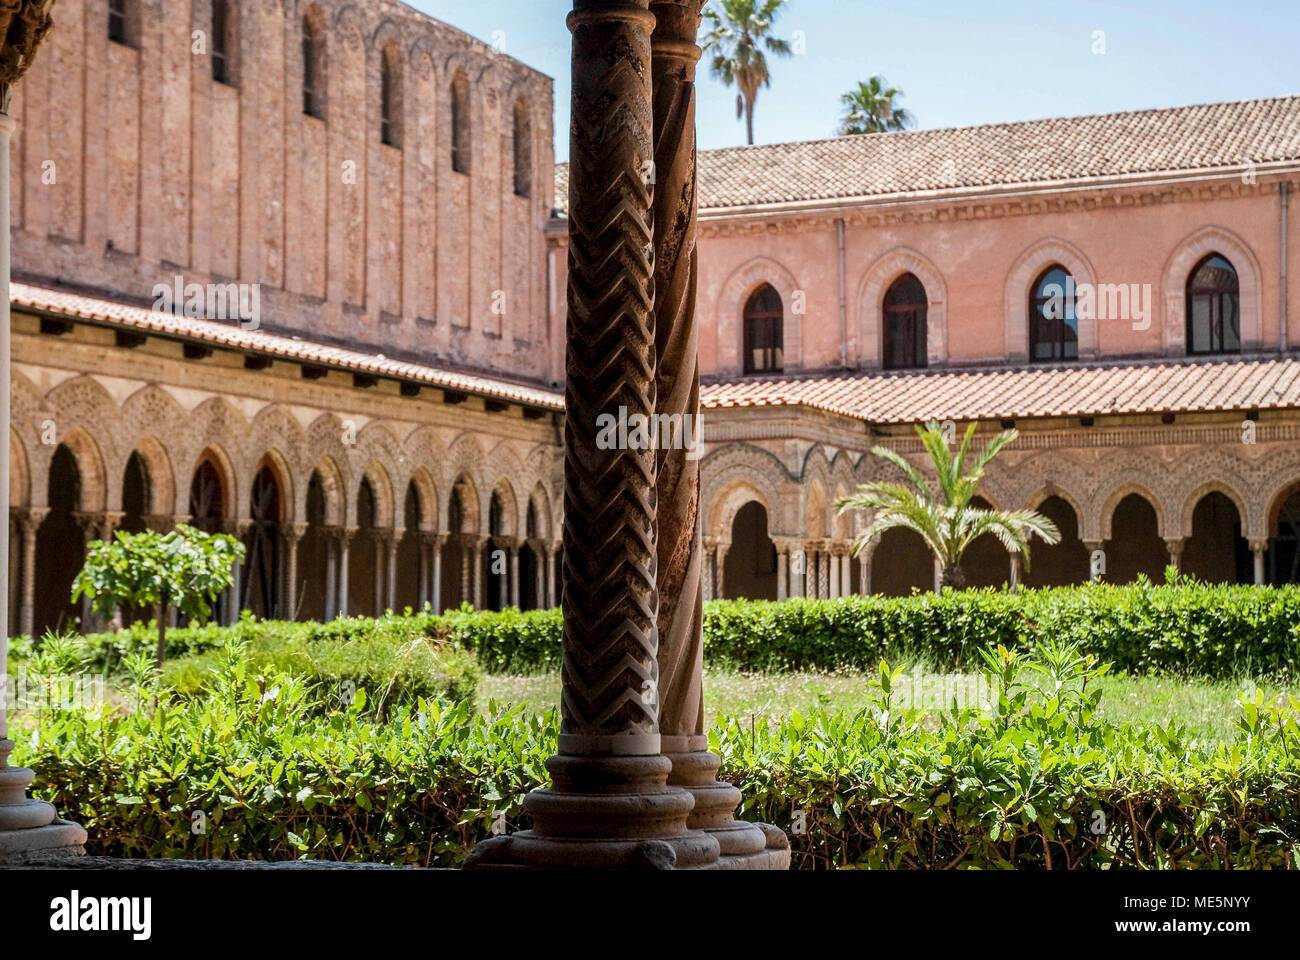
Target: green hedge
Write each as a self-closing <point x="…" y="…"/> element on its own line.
<point x="1037" y="781"/>
<point x="1216" y="632"/>
<point x="1187" y="628"/>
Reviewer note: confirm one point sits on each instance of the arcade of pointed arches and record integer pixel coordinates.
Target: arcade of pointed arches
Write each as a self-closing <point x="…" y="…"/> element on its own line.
<point x="770" y="533"/>
<point x="336" y="518"/>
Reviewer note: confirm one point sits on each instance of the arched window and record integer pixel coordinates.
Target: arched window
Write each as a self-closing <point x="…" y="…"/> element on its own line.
<point x="523" y="151"/>
<point x="905" y="311"/>
<point x="1213" y="307"/>
<point x="221" y="41"/>
<point x="460" y="143"/>
<point x="390" y="99"/>
<point x="119" y="27"/>
<point x="1053" y="325"/>
<point x="313" y="71"/>
<point x="764" y="318"/>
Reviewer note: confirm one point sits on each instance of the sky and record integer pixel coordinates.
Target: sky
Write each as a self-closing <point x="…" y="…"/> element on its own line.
<point x="1010" y="61"/>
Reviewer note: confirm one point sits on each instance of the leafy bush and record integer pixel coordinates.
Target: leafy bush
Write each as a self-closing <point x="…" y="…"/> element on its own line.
<point x="1035" y="780"/>
<point x="396" y="659"/>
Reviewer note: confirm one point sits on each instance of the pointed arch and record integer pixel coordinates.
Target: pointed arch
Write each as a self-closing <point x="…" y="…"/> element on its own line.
<point x="20" y="476"/>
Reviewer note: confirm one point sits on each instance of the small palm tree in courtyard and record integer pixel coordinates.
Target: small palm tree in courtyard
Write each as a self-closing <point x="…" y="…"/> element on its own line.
<point x="947" y="522"/>
<point x="869" y="108"/>
<point x="739" y="38"/>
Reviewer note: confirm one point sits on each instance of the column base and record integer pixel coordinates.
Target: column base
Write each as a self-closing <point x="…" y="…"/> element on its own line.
<point x="31" y="829"/>
<point x="603" y="813"/>
<point x="56" y="840"/>
<point x="743" y="845"/>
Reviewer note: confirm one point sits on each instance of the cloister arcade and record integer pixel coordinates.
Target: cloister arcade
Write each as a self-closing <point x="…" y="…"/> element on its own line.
<point x="331" y="523"/>
<point x="773" y="533"/>
<point x="338" y="518"/>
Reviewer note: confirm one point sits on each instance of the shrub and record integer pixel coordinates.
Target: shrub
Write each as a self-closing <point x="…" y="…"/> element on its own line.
<point x="510" y="641"/>
<point x="1184" y="628"/>
<point x="396" y="659"/>
<point x="1037" y="781"/>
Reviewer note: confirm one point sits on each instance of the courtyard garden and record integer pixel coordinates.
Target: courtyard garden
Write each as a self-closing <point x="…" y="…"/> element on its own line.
<point x="1095" y="726"/>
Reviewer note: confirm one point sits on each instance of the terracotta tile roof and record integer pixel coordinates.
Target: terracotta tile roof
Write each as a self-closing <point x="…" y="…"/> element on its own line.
<point x="1158" y="386"/>
<point x="228" y="334"/>
<point x="1068" y="150"/>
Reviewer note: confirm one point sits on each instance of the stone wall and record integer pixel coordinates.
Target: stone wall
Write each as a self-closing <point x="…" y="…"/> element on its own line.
<point x="133" y="165"/>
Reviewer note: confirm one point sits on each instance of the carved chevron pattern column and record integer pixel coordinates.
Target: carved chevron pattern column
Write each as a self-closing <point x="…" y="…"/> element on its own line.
<point x="610" y="678"/>
<point x="611" y="805"/>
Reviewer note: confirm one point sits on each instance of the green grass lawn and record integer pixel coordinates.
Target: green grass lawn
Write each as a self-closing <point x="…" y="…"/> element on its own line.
<point x="1207" y="709"/>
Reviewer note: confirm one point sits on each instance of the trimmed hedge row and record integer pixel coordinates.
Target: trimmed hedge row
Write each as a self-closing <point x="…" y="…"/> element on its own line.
<point x="1216" y="632"/>
<point x="1187" y="628"/>
<point x="1037" y="783"/>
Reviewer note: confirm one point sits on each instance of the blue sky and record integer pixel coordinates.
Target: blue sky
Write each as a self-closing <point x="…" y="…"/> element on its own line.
<point x="1010" y="61"/>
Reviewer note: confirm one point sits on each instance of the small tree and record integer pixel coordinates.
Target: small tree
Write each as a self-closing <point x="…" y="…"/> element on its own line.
<point x="947" y="523"/>
<point x="185" y="569"/>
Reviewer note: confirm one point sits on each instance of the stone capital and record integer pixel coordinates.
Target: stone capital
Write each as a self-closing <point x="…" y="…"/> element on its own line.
<point x="29" y="519"/>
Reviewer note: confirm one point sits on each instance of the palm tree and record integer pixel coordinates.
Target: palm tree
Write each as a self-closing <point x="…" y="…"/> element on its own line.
<point x="739" y="33"/>
<point x="948" y="523"/>
<point x="870" y="109"/>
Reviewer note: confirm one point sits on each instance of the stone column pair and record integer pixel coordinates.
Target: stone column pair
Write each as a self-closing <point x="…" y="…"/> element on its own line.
<point x="633" y="786"/>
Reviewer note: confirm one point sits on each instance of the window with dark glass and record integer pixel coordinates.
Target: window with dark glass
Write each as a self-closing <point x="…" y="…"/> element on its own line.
<point x="523" y="151"/>
<point x="312" y="88"/>
<point x="1213" y="307"/>
<point x="389" y="102"/>
<point x="460" y="124"/>
<point x="905" y="313"/>
<point x="764" y="318"/>
<point x="1053" y="324"/>
<point x="220" y="42"/>
<point x="117" y="21"/>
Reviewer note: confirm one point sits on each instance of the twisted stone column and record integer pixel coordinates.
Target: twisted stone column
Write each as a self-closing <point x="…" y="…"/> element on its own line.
<point x="610" y="805"/>
<point x="680" y="548"/>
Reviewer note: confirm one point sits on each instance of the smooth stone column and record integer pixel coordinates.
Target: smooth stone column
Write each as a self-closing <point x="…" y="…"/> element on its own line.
<point x="1175" y="547"/>
<point x="293" y="534"/>
<point x="553" y="577"/>
<point x="345" y="536"/>
<point x="782" y="570"/>
<point x="394" y="540"/>
<point x="30" y="523"/>
<point x="514" y="547"/>
<point x="610" y="805"/>
<point x="331" y="572"/>
<point x="1258" y="549"/>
